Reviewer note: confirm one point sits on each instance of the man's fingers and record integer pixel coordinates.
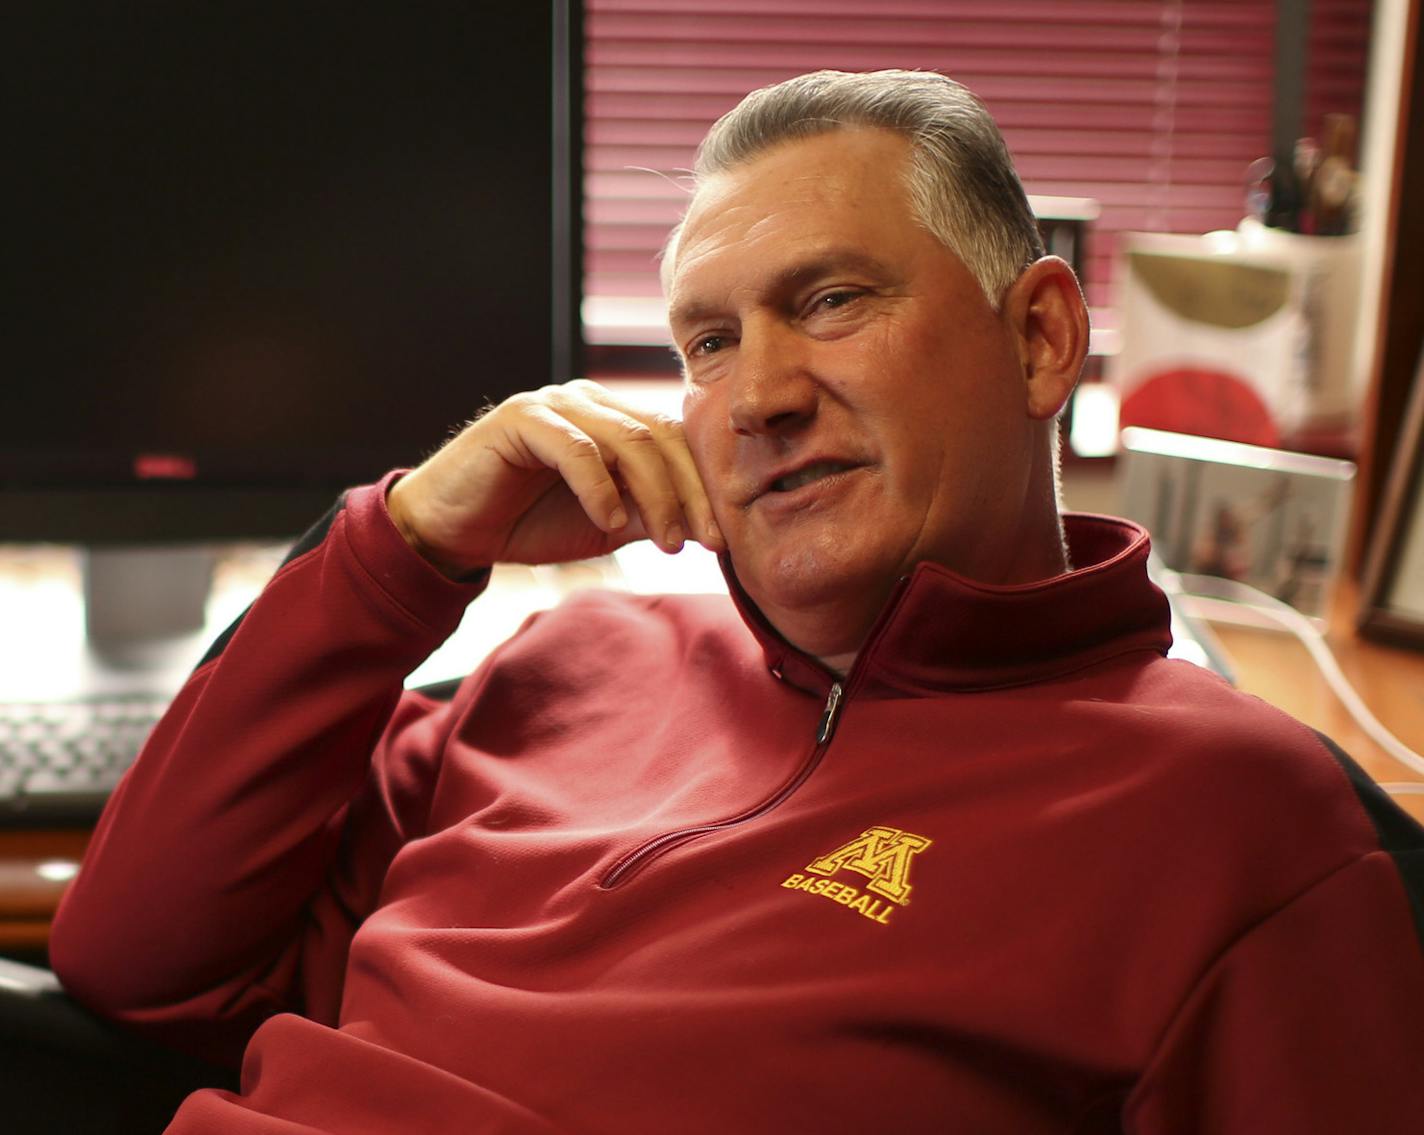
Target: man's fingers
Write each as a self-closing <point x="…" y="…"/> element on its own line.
<point x="652" y="476"/>
<point x="633" y="450"/>
<point x="604" y="456"/>
<point x="546" y="437"/>
<point x="695" y="505"/>
<point x="633" y="453"/>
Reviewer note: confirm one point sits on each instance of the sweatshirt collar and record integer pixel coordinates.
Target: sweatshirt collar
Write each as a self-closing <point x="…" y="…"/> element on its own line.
<point x="941" y="632"/>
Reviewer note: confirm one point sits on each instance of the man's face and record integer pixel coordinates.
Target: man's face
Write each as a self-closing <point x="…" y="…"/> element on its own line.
<point x="853" y="403"/>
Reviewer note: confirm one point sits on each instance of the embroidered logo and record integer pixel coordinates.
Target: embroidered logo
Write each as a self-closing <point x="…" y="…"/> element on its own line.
<point x="882" y="855"/>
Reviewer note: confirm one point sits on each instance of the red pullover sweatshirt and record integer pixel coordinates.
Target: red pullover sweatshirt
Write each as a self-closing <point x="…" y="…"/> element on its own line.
<point x="652" y="870"/>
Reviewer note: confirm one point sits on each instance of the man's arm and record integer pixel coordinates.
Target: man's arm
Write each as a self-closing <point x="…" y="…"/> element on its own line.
<point x="248" y="841"/>
<point x="230" y="868"/>
<point x="1312" y="1021"/>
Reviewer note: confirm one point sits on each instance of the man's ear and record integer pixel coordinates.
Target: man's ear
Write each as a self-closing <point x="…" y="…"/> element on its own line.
<point x="1046" y="312"/>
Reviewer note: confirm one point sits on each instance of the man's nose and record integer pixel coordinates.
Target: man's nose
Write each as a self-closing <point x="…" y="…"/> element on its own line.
<point x="774" y="390"/>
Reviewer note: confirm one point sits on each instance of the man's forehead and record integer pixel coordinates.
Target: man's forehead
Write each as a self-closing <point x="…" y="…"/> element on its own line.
<point x="816" y="199"/>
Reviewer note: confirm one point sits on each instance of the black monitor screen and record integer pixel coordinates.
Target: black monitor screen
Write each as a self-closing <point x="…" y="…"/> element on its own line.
<point x="258" y="252"/>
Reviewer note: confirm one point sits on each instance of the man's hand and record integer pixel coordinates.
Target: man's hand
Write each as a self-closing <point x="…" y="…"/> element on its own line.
<point x="562" y="473"/>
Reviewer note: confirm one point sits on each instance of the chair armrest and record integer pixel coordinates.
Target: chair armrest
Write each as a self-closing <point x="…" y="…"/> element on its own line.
<point x="73" y="1071"/>
<point x="35" y="1011"/>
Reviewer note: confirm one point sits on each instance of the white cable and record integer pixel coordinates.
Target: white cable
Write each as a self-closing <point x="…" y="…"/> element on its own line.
<point x="1241" y="594"/>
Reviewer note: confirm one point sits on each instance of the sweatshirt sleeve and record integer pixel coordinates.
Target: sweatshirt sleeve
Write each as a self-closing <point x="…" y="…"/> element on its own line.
<point x="236" y="858"/>
<point x="1312" y="1021"/>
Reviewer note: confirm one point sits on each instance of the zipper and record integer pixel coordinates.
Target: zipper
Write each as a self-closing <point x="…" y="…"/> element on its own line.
<point x="639" y="856"/>
<point x="827" y="724"/>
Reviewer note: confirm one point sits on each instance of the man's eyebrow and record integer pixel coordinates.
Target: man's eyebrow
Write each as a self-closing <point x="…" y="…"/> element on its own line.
<point x="826" y="264"/>
<point x="788" y="280"/>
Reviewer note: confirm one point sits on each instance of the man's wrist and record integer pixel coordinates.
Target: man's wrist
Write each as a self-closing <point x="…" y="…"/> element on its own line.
<point x="396" y="507"/>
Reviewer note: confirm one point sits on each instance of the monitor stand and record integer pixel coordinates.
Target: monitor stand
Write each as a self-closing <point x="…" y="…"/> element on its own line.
<point x="143" y="606"/>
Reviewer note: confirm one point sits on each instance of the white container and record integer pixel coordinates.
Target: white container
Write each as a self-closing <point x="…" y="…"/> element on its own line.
<point x="1245" y="335"/>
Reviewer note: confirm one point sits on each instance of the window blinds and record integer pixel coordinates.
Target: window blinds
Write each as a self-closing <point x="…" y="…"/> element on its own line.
<point x="1154" y="108"/>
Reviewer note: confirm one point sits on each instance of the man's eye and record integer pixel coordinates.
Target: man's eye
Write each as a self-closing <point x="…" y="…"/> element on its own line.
<point x="708" y="345"/>
<point x="834" y="300"/>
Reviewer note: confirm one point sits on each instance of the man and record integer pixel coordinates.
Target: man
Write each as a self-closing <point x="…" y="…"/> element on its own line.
<point x="927" y="834"/>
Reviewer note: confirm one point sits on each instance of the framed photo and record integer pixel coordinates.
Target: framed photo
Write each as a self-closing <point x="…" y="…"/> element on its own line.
<point x="1265" y="517"/>
<point x="1392" y="599"/>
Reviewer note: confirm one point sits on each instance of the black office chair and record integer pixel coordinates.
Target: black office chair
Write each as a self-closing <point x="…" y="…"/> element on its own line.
<point x="62" y="1069"/>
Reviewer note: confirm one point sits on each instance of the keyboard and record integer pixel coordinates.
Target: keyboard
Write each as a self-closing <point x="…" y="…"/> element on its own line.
<point x="59" y="760"/>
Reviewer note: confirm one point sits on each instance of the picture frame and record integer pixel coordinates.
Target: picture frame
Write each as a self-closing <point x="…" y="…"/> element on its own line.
<point x="1392" y="593"/>
<point x="1268" y="518"/>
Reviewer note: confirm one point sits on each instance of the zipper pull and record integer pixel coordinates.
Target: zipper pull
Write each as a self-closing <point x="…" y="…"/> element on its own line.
<point x="829" y="715"/>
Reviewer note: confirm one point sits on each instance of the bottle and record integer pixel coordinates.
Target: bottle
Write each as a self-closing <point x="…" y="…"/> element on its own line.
<point x="1333" y="187"/>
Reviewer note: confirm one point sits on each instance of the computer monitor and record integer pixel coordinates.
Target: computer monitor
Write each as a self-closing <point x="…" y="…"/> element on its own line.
<point x="260" y="252"/>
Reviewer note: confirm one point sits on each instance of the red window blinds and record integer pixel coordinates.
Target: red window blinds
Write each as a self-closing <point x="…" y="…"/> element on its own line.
<point x="1338" y="54"/>
<point x="1152" y="107"/>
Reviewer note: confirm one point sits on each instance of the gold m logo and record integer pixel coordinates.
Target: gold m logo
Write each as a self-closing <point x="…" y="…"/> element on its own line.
<point x="882" y="855"/>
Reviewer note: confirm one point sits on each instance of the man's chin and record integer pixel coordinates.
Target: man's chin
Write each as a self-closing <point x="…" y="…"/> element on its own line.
<point x="823" y="605"/>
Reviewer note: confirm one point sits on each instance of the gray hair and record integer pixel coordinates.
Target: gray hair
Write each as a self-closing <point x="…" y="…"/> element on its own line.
<point x="961" y="182"/>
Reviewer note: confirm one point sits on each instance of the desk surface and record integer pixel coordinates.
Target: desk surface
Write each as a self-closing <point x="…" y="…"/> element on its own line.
<point x="1276" y="667"/>
<point x="1270" y="664"/>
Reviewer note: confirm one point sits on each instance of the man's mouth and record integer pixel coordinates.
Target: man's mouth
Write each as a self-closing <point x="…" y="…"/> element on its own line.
<point x="806" y="474"/>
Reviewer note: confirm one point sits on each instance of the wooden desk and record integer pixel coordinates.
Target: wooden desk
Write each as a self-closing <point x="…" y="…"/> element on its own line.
<point x="1270" y="664"/>
<point x="1276" y="667"/>
<point x="31" y="881"/>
